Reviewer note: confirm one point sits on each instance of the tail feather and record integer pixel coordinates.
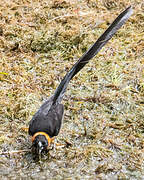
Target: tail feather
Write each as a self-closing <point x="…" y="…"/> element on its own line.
<point x="92" y="51"/>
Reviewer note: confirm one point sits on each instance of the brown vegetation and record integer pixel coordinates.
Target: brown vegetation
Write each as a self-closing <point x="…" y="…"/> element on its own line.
<point x="103" y="125"/>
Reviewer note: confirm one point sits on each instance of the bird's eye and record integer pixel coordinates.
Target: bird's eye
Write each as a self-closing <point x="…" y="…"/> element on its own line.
<point x="43" y="143"/>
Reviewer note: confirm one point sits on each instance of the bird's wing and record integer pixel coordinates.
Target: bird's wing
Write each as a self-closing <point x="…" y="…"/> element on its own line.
<point x="47" y="120"/>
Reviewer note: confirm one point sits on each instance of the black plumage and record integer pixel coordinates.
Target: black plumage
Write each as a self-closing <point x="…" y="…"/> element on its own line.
<point x="48" y="118"/>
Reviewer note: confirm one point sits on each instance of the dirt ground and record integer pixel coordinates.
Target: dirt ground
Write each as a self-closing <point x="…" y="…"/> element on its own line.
<point x="102" y="136"/>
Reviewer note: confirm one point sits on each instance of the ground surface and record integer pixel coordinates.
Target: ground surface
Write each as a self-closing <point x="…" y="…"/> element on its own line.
<point x="103" y="125"/>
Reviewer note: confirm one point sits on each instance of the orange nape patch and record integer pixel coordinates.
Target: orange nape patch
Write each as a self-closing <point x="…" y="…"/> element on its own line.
<point x="50" y="140"/>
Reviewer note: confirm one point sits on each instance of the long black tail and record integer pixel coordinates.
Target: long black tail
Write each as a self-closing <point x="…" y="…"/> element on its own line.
<point x="92" y="51"/>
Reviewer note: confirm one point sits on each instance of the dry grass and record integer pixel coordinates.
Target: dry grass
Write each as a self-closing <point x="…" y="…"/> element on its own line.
<point x="104" y="103"/>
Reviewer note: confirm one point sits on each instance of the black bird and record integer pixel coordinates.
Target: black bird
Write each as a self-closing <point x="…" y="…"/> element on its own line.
<point x="46" y="122"/>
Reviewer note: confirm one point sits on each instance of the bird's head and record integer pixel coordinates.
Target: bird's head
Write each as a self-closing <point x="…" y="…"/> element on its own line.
<point x="40" y="142"/>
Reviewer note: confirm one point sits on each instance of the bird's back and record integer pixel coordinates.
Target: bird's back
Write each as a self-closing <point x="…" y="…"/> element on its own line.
<point x="47" y="119"/>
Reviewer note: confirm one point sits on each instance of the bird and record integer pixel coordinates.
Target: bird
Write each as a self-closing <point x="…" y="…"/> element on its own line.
<point x="46" y="122"/>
